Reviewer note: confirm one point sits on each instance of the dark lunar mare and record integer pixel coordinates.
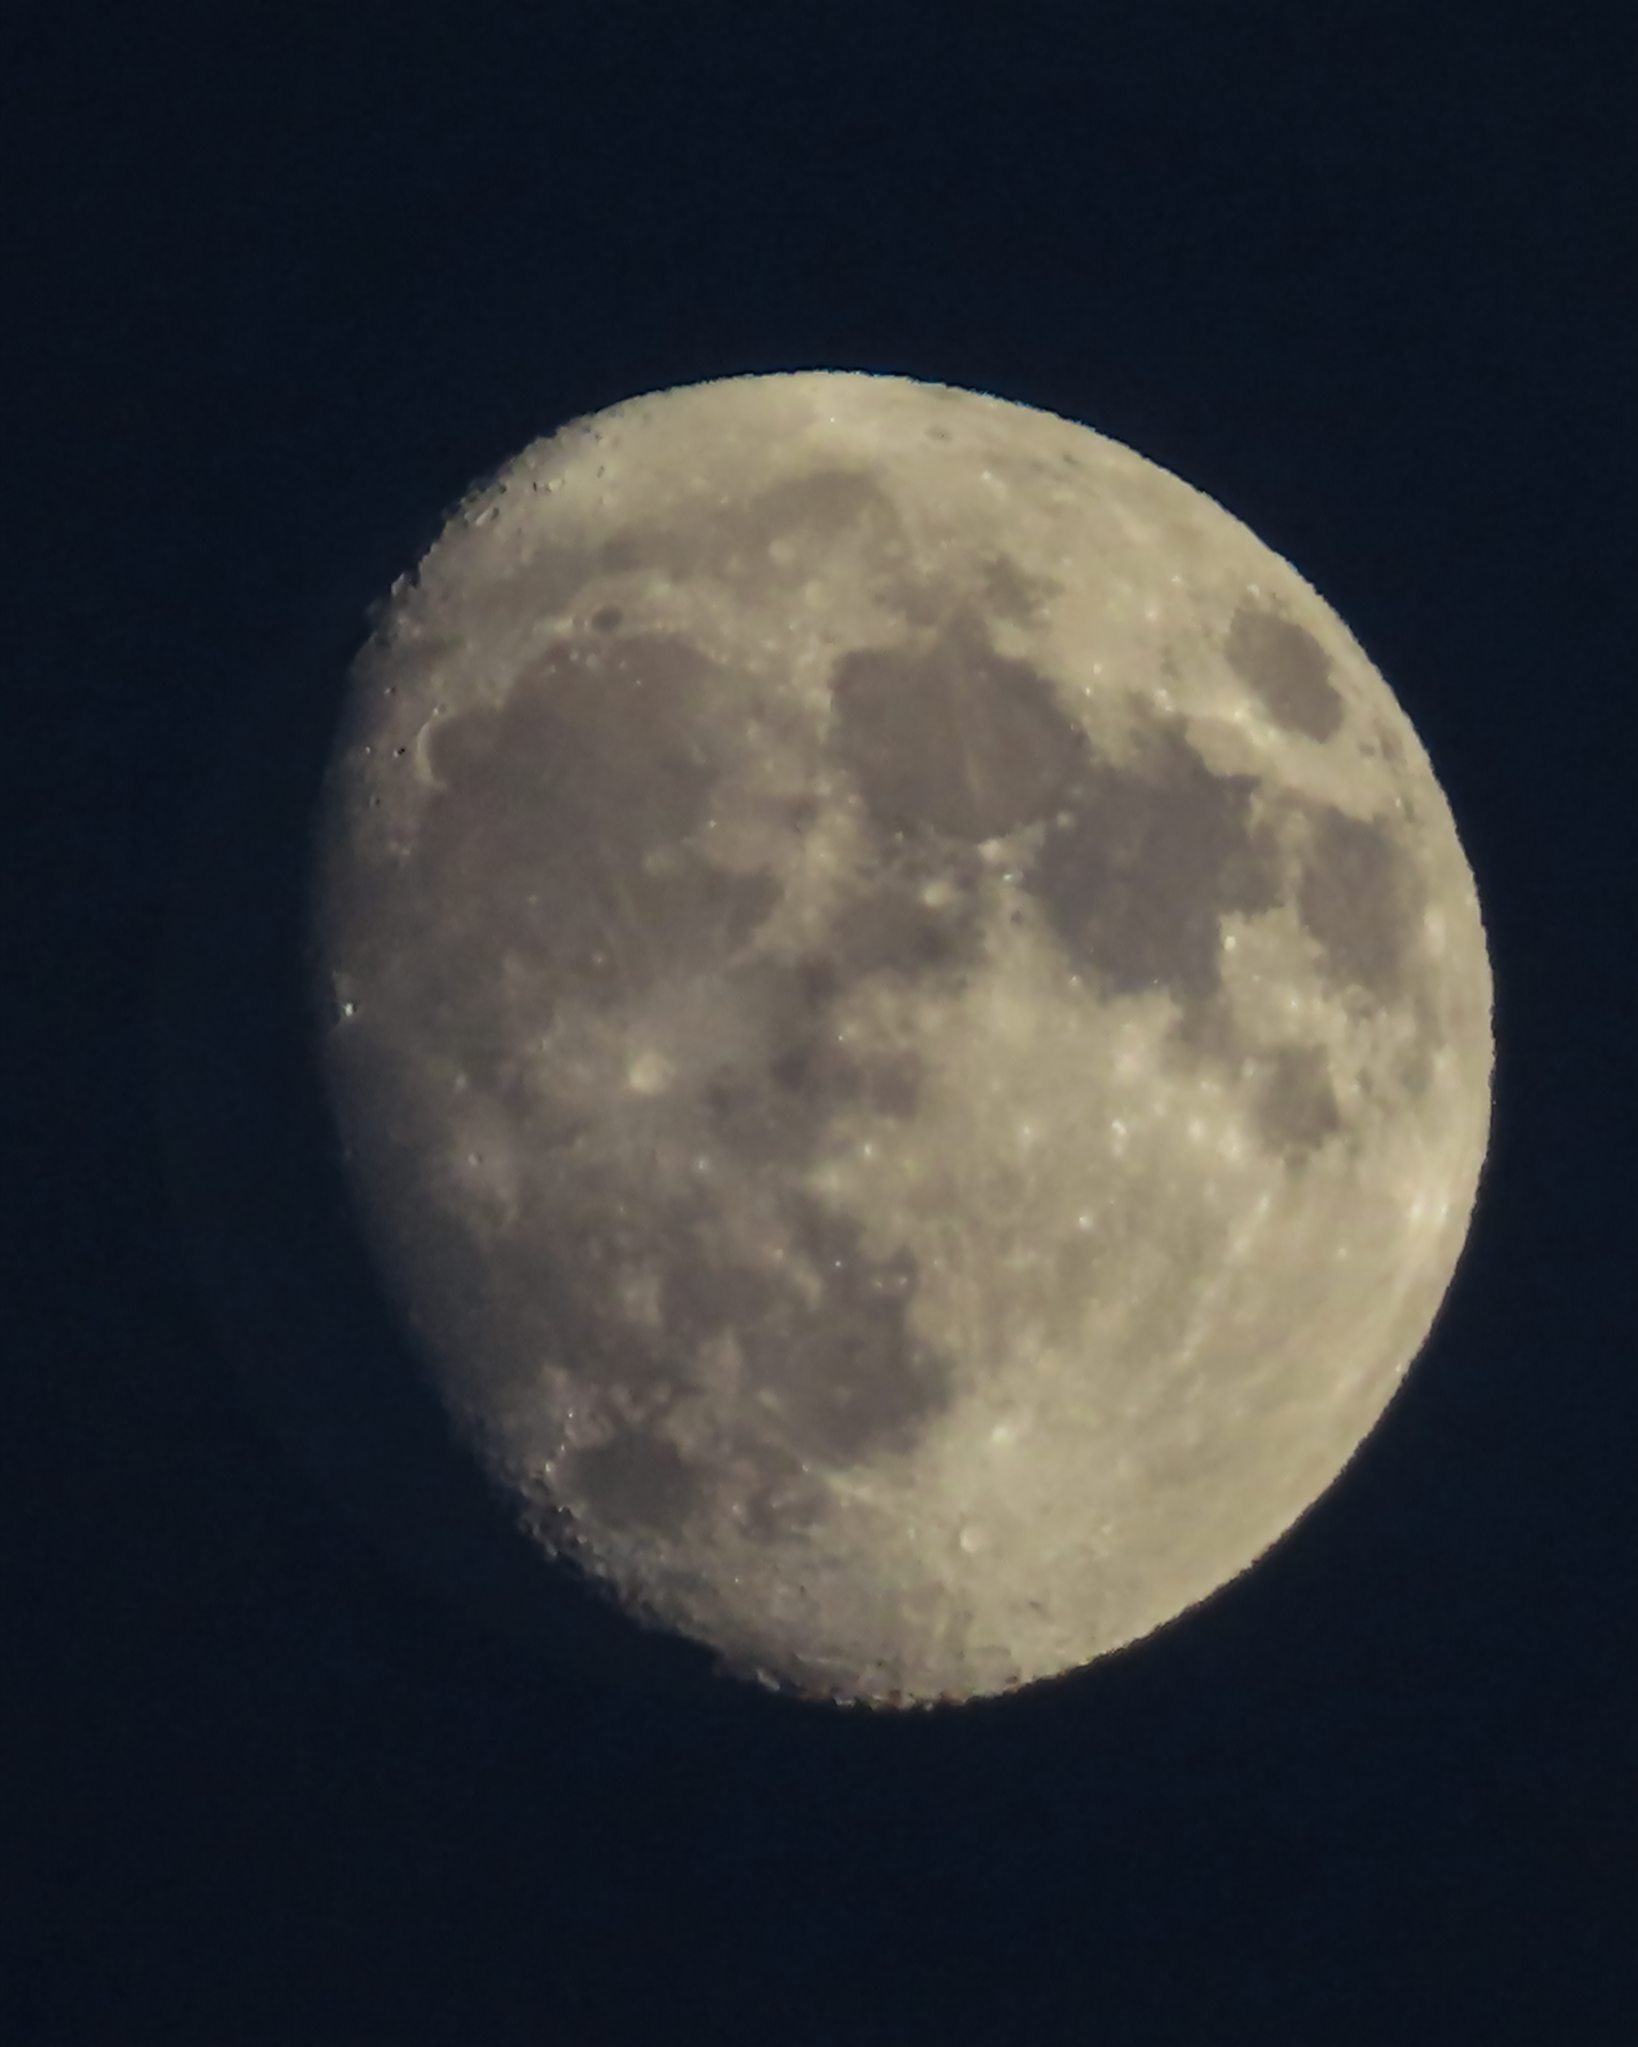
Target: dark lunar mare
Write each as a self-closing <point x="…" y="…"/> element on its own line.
<point x="1288" y="670"/>
<point x="951" y="744"/>
<point x="1140" y="860"/>
<point x="555" y="841"/>
<point x="1361" y="900"/>
<point x="1146" y="862"/>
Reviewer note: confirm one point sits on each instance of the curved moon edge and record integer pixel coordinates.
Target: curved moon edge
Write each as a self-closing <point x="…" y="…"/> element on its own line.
<point x="910" y="1016"/>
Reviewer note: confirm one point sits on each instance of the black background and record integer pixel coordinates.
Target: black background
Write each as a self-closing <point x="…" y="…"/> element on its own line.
<point x="285" y="280"/>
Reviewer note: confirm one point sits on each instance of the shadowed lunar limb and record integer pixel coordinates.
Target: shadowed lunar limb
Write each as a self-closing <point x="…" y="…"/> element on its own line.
<point x="909" y="1021"/>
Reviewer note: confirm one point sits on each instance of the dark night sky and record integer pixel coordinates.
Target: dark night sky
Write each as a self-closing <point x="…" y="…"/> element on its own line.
<point x="283" y="280"/>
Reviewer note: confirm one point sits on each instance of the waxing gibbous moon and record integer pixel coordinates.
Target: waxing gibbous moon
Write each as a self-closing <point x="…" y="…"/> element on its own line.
<point x="909" y="1022"/>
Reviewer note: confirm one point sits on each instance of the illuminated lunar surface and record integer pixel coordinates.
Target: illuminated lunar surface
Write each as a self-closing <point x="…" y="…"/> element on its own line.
<point x="910" y="1023"/>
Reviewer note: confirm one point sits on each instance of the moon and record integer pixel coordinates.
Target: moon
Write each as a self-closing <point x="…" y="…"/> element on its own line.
<point x="908" y="1019"/>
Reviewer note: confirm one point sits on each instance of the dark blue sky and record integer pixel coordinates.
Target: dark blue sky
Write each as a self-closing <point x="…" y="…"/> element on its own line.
<point x="282" y="282"/>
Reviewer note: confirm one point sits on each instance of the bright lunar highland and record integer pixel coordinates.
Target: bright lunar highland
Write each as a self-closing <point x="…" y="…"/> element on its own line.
<point x="908" y="1019"/>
